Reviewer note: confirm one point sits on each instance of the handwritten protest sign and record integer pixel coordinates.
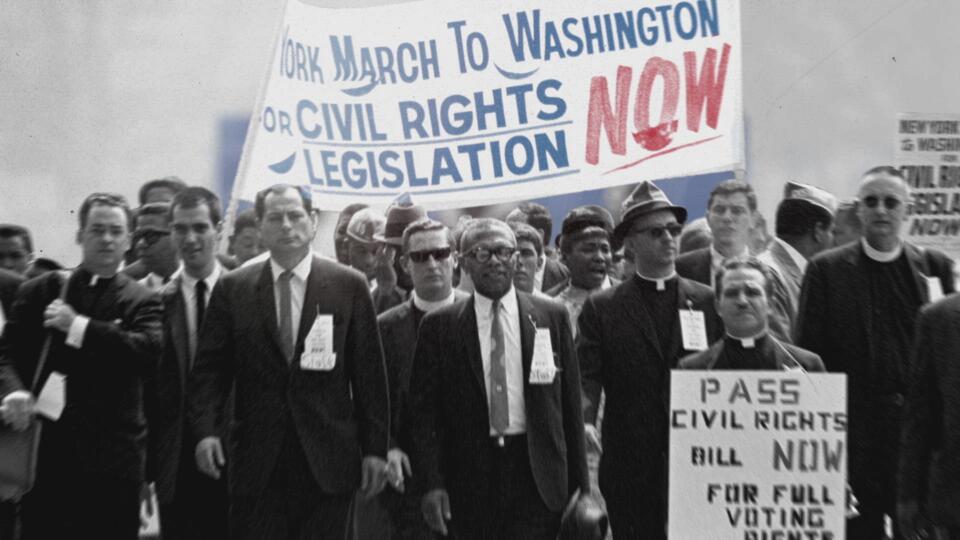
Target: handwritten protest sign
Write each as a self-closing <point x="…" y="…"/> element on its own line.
<point x="928" y="153"/>
<point x="757" y="455"/>
<point x="467" y="103"/>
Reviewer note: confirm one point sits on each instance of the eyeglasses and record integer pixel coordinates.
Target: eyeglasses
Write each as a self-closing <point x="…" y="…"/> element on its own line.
<point x="150" y="237"/>
<point x="657" y="232"/>
<point x="890" y="203"/>
<point x="440" y="254"/>
<point x="483" y="254"/>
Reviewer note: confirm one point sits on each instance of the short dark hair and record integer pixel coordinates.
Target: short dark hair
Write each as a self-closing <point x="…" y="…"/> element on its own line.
<point x="278" y="189"/>
<point x="9" y="230"/>
<point x="172" y="183"/>
<point x="156" y="209"/>
<point x="344" y="218"/>
<point x="738" y="263"/>
<point x="731" y="187"/>
<point x="797" y="217"/>
<point x="526" y="233"/>
<point x="105" y="199"/>
<point x="194" y="196"/>
<point x="245" y="220"/>
<point x="537" y="216"/>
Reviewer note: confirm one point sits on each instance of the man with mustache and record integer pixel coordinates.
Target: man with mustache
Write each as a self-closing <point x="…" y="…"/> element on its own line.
<point x="858" y="305"/>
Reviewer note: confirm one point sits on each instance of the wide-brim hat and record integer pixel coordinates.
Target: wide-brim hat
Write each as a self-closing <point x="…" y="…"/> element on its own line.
<point x="401" y="213"/>
<point x="366" y="225"/>
<point x="644" y="199"/>
<point x="797" y="193"/>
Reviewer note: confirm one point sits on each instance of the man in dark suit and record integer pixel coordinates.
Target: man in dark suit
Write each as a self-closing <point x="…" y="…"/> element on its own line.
<point x="428" y="258"/>
<point x="9" y="283"/>
<point x="192" y="505"/>
<point x="494" y="427"/>
<point x="858" y="305"/>
<point x="630" y="337"/>
<point x="295" y="337"/>
<point x="742" y="298"/>
<point x="105" y="338"/>
<point x="928" y="455"/>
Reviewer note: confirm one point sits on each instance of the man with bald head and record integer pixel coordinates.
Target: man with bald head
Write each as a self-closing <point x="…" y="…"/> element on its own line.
<point x="494" y="426"/>
<point x="858" y="304"/>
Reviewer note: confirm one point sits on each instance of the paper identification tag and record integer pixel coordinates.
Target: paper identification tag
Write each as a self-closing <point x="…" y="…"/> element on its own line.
<point x="694" y="330"/>
<point x="542" y="368"/>
<point x="53" y="397"/>
<point x="318" y="352"/>
<point x="934" y="288"/>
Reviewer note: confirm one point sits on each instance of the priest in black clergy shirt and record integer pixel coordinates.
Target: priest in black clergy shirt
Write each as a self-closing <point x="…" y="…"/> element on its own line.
<point x="105" y="338"/>
<point x="630" y="337"/>
<point x="742" y="293"/>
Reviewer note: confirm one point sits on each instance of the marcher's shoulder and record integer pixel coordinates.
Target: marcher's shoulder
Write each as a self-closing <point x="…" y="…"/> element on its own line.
<point x="810" y="360"/>
<point x="943" y="308"/>
<point x="697" y="360"/>
<point x="339" y="274"/>
<point x="938" y="258"/>
<point x="699" y="291"/>
<point x="546" y="304"/>
<point x="245" y="273"/>
<point x="691" y="257"/>
<point x="835" y="255"/>
<point x="394" y="315"/>
<point x="10" y="279"/>
<point x="133" y="290"/>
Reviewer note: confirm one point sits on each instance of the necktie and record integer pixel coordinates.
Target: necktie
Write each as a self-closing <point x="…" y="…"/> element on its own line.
<point x="201" y="299"/>
<point x="499" y="406"/>
<point x="286" y="317"/>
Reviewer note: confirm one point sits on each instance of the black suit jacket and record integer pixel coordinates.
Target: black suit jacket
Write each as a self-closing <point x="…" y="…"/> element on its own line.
<point x="784" y="356"/>
<point x="103" y="427"/>
<point x="339" y="415"/>
<point x="167" y="412"/>
<point x="9" y="283"/>
<point x="398" y="332"/>
<point x="930" y="453"/>
<point x="554" y="273"/>
<point x="834" y="321"/>
<point x="695" y="265"/>
<point x="620" y="354"/>
<point x="447" y="423"/>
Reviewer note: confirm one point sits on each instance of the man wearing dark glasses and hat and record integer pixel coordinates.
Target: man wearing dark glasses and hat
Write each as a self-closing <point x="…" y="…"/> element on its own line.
<point x="630" y="337"/>
<point x="858" y="305"/>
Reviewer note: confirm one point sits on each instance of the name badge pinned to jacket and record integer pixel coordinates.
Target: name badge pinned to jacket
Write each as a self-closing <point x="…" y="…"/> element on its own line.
<point x="318" y="352"/>
<point x="542" y="368"/>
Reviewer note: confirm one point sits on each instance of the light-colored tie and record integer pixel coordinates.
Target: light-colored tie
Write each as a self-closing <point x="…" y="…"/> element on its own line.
<point x="499" y="404"/>
<point x="286" y="317"/>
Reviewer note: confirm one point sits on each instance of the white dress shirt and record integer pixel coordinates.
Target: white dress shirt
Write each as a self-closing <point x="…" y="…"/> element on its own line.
<point x="510" y="321"/>
<point x="298" y="289"/>
<point x="188" y="288"/>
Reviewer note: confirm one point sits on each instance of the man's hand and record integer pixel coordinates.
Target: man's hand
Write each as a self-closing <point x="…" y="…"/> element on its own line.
<point x="908" y="513"/>
<point x="386" y="276"/>
<point x="209" y="456"/>
<point x="398" y="464"/>
<point x="592" y="435"/>
<point x="59" y="315"/>
<point x="373" y="476"/>
<point x="17" y="409"/>
<point x="435" y="506"/>
<point x="146" y="501"/>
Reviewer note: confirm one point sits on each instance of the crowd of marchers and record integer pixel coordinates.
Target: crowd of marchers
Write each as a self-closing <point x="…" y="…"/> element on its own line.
<point x="432" y="380"/>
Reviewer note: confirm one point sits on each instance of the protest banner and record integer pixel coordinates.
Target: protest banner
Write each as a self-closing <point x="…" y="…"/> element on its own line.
<point x="757" y="455"/>
<point x="927" y="150"/>
<point x="470" y="103"/>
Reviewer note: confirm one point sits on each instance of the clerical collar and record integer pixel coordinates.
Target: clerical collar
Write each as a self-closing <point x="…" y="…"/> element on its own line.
<point x="94" y="277"/>
<point x="431" y="305"/>
<point x="881" y="256"/>
<point x="661" y="282"/>
<point x="749" y="342"/>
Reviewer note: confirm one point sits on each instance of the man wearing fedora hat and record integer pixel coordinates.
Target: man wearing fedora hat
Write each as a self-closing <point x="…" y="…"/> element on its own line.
<point x="586" y="252"/>
<point x="804" y="225"/>
<point x="393" y="280"/>
<point x="630" y="336"/>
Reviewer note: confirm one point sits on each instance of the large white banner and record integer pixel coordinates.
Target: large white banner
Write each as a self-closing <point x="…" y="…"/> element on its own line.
<point x="466" y="103"/>
<point x="757" y="455"/>
<point x="927" y="149"/>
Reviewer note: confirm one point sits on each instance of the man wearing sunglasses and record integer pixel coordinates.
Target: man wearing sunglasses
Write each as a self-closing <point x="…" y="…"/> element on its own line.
<point x="427" y="257"/>
<point x="151" y="239"/>
<point x="494" y="427"/>
<point x="630" y="336"/>
<point x="858" y="305"/>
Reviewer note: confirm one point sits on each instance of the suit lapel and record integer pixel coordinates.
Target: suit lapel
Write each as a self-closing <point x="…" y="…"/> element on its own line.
<point x="527" y="333"/>
<point x="176" y="306"/>
<point x="920" y="269"/>
<point x="268" y="312"/>
<point x="468" y="329"/>
<point x="861" y="292"/>
<point x="313" y="303"/>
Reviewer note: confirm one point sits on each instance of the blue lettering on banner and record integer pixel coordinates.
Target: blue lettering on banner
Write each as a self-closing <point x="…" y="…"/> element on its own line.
<point x="406" y="63"/>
